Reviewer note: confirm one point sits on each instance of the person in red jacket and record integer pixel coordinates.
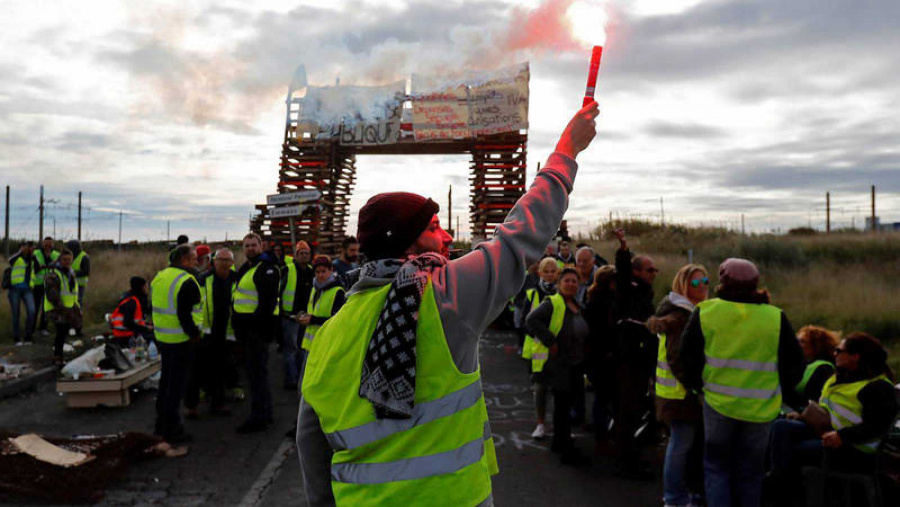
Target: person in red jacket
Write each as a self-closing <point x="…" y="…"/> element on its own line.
<point x="130" y="318"/>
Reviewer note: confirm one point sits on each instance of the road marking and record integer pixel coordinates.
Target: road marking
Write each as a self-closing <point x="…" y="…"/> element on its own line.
<point x="267" y="477"/>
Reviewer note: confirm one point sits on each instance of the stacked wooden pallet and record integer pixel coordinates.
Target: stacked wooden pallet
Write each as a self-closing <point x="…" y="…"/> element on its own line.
<point x="497" y="180"/>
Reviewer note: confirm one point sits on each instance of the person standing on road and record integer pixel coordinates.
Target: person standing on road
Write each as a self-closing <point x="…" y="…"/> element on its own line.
<point x="22" y="270"/>
<point x="44" y="257"/>
<point x="325" y="299"/>
<point x="637" y="355"/>
<point x="392" y="382"/>
<point x="546" y="287"/>
<point x="254" y="319"/>
<point x="742" y="353"/>
<point x="129" y="319"/>
<point x="602" y="347"/>
<point x="212" y="358"/>
<point x="82" y="267"/>
<point x="585" y="267"/>
<point x="560" y="326"/>
<point x="298" y="281"/>
<point x="61" y="301"/>
<point x="565" y="259"/>
<point x="177" y="316"/>
<point x="675" y="406"/>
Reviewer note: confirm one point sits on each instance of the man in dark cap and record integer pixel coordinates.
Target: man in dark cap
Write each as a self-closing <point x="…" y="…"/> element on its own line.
<point x="741" y="352"/>
<point x="392" y="410"/>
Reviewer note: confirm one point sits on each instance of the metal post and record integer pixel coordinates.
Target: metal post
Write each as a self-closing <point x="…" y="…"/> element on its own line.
<point x="662" y="213"/>
<point x="743" y="231"/>
<point x="293" y="234"/>
<point x="79" y="216"/>
<point x="827" y="212"/>
<point x="450" y="208"/>
<point x="168" y="224"/>
<point x="120" y="229"/>
<point x="41" y="217"/>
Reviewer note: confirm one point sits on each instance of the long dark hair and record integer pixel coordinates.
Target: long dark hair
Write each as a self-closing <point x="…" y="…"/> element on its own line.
<point x="872" y="355"/>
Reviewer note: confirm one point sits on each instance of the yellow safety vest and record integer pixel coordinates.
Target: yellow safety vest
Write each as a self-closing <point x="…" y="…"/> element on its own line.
<point x="208" y="303"/>
<point x="843" y="405"/>
<point x="246" y="297"/>
<point x="43" y="265"/>
<point x="76" y="266"/>
<point x="740" y="378"/>
<point x="528" y="346"/>
<point x="667" y="386"/>
<point x="68" y="295"/>
<point x="321" y="308"/>
<point x="808" y="373"/>
<point x="289" y="294"/>
<point x="442" y="456"/>
<point x="164" y="297"/>
<point x="539" y="352"/>
<point x="19" y="270"/>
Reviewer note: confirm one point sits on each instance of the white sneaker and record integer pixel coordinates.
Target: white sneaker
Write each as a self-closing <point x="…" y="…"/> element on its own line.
<point x="539" y="432"/>
<point x="44" y="332"/>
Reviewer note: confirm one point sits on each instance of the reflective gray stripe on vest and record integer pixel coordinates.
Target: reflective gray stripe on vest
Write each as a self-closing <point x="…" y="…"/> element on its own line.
<point x="168" y="330"/>
<point x="662" y="365"/>
<point x="410" y="468"/>
<point x="539" y="356"/>
<point x="668" y="382"/>
<point x="844" y="412"/>
<point x="247" y="292"/>
<point x="487" y="430"/>
<point x="740" y="364"/>
<point x="244" y="302"/>
<point x="740" y="392"/>
<point x="171" y="309"/>
<point x="422" y="413"/>
<point x="288" y="295"/>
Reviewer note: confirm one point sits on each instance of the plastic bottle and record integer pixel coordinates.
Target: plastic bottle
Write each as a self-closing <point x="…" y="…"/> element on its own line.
<point x="141" y="355"/>
<point x="152" y="353"/>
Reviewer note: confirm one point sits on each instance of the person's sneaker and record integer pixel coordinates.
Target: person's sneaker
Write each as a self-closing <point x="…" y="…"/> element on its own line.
<point x="19" y="343"/>
<point x="44" y="332"/>
<point x="539" y="433"/>
<point x="251" y="427"/>
<point x="29" y="340"/>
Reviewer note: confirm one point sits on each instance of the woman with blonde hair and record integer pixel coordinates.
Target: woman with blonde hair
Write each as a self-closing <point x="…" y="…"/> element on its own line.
<point x="677" y="407"/>
<point x="548" y="271"/>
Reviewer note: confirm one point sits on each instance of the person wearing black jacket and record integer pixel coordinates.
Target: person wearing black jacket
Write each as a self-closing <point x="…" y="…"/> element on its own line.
<point x="177" y="357"/>
<point x="255" y="324"/>
<point x="637" y="355"/>
<point x="602" y="346"/>
<point x="860" y="360"/>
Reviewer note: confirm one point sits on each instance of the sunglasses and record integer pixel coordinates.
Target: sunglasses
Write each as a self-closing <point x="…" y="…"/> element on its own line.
<point x="696" y="283"/>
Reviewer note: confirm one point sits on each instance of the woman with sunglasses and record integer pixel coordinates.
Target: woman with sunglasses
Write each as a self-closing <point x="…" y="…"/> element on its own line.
<point x="675" y="406"/>
<point x="861" y="403"/>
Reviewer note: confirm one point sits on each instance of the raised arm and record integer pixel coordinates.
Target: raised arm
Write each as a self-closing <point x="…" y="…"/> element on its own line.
<point x="472" y="290"/>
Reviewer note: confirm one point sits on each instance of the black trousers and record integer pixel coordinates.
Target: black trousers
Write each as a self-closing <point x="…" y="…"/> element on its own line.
<point x="208" y="372"/>
<point x="39" y="312"/>
<point x="62" y="331"/>
<point x="256" y="362"/>
<point x="562" y="421"/>
<point x="633" y="385"/>
<point x="174" y="375"/>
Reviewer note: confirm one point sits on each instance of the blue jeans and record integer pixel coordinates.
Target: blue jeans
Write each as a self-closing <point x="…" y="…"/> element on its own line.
<point x="734" y="459"/>
<point x="290" y="354"/>
<point x="17" y="296"/>
<point x="682" y="434"/>
<point x="793" y="444"/>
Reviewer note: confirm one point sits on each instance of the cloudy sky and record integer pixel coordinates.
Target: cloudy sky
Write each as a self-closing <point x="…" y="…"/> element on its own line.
<point x="174" y="111"/>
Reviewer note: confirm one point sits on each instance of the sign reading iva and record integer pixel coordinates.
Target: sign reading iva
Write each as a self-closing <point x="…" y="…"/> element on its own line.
<point x="437" y="108"/>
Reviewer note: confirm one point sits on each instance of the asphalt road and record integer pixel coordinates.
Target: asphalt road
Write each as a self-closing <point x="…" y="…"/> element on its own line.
<point x="224" y="468"/>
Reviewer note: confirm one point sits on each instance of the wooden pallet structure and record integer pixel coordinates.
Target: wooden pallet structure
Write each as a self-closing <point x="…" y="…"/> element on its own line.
<point x="320" y="157"/>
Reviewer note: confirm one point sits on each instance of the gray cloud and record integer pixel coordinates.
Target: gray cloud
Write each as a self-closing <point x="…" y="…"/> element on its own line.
<point x="683" y="130"/>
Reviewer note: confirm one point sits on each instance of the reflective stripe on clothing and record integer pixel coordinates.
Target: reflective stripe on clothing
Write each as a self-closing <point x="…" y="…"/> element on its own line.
<point x="411" y="468"/>
<point x="422" y="413"/>
<point x="740" y="364"/>
<point x="841" y="401"/>
<point x="744" y="392"/>
<point x="164" y="299"/>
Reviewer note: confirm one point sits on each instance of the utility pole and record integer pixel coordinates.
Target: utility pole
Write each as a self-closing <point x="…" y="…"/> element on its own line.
<point x="662" y="213"/>
<point x="168" y="225"/>
<point x="54" y="227"/>
<point x="457" y="227"/>
<point x="827" y="212"/>
<point x="743" y="231"/>
<point x="874" y="228"/>
<point x="450" y="208"/>
<point x="41" y="217"/>
<point x="79" y="215"/>
<point x="120" y="229"/>
<point x="6" y="230"/>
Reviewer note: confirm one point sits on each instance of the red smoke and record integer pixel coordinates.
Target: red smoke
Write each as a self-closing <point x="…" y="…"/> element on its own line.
<point x="545" y="27"/>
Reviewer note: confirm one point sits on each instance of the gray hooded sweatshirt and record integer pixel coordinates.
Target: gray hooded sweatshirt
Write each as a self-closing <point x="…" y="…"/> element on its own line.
<point x="470" y="292"/>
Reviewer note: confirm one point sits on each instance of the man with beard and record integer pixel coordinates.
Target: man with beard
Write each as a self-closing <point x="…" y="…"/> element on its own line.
<point x="348" y="261"/>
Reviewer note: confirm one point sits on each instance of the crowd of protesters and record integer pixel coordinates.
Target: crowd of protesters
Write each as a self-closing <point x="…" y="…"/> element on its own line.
<point x="745" y="402"/>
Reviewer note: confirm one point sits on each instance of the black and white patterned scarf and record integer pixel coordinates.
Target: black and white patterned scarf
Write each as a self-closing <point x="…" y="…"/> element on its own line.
<point x="389" y="369"/>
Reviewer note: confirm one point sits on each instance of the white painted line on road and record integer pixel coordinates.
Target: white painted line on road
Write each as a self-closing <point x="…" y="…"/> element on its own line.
<point x="267" y="477"/>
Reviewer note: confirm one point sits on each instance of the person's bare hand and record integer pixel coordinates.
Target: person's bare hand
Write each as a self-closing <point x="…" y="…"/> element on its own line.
<point x="579" y="132"/>
<point x="620" y="235"/>
<point x="794" y="416"/>
<point x="304" y="319"/>
<point x="832" y="440"/>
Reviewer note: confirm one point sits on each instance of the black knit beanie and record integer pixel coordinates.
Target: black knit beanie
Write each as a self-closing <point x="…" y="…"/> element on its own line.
<point x="390" y="223"/>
